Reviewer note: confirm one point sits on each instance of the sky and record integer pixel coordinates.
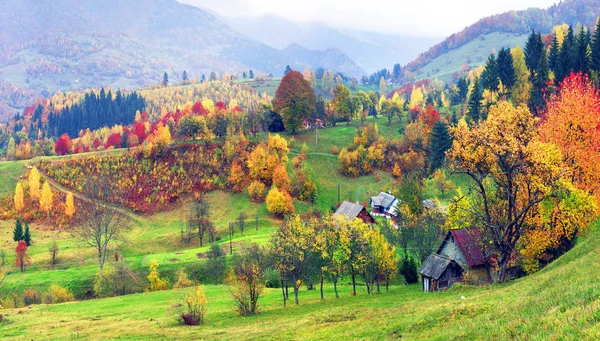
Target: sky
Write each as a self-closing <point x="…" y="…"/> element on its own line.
<point x="427" y="18"/>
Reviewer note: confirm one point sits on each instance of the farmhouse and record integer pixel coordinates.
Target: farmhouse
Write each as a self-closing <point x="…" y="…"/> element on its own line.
<point x="462" y="247"/>
<point x="352" y="211"/>
<point x="384" y="204"/>
<point x="439" y="273"/>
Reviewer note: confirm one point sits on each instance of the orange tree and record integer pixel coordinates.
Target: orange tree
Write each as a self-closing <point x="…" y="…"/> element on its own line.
<point x="294" y="100"/>
<point x="512" y="173"/>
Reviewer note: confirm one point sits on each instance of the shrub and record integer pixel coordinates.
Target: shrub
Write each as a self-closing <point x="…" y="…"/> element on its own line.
<point x="58" y="294"/>
<point x="335" y="150"/>
<point x="31" y="296"/>
<point x="408" y="269"/>
<point x="279" y="203"/>
<point x="192" y="312"/>
<point x="182" y="280"/>
<point x="246" y="285"/>
<point x="271" y="277"/>
<point x="156" y="284"/>
<point x="256" y="191"/>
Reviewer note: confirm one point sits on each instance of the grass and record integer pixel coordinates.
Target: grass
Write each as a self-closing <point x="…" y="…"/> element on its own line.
<point x="562" y="302"/>
<point x="472" y="54"/>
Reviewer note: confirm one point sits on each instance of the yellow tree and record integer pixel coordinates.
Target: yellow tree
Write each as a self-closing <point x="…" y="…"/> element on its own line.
<point x="441" y="183"/>
<point x="521" y="91"/>
<point x="46" y="198"/>
<point x="156" y="283"/>
<point x="279" y="203"/>
<point x="19" y="202"/>
<point x="382" y="257"/>
<point x="511" y="172"/>
<point x="69" y="205"/>
<point x="281" y="180"/>
<point x="34" y="184"/>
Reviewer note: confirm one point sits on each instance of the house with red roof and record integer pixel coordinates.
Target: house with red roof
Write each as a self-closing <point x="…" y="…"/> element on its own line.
<point x="460" y="247"/>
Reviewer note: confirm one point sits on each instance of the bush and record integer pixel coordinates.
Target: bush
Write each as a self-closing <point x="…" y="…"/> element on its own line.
<point x="408" y="269"/>
<point x="58" y="294"/>
<point x="156" y="284"/>
<point x="271" y="277"/>
<point x="182" y="280"/>
<point x="256" y="191"/>
<point x="192" y="312"/>
<point x="279" y="203"/>
<point x="31" y="296"/>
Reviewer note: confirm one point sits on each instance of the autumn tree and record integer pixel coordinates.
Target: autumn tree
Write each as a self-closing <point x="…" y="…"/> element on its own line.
<point x="341" y="103"/>
<point x="281" y="180"/>
<point x="156" y="283"/>
<point x="34" y="184"/>
<point x="199" y="218"/>
<point x="511" y="171"/>
<point x="382" y="258"/>
<point x="571" y="122"/>
<point x="442" y="184"/>
<point x="521" y="90"/>
<point x="237" y="177"/>
<point x="18" y="198"/>
<point x="69" y="205"/>
<point x="101" y="226"/>
<point x="22" y="259"/>
<point x="279" y="202"/>
<point x="356" y="248"/>
<point x="246" y="282"/>
<point x="294" y="100"/>
<point x="46" y="198"/>
<point x="329" y="242"/>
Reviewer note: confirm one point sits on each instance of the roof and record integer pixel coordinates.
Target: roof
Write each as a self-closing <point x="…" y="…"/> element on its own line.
<point x="383" y="199"/>
<point x="466" y="240"/>
<point x="434" y="266"/>
<point x="349" y="210"/>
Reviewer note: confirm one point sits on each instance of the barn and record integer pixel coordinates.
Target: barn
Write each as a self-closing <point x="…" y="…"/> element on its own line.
<point x="463" y="246"/>
<point x="352" y="211"/>
<point x="439" y="273"/>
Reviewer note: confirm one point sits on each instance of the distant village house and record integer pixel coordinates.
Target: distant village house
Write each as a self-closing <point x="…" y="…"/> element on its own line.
<point x="352" y="211"/>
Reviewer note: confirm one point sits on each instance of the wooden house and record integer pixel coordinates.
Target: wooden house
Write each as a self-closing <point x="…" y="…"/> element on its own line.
<point x="439" y="273"/>
<point x="352" y="211"/>
<point x="384" y="204"/>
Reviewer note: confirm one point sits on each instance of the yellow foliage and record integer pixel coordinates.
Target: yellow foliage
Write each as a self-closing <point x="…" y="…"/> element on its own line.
<point x="58" y="294"/>
<point x="19" y="201"/>
<point x="279" y="203"/>
<point x="69" y="205"/>
<point x="182" y="280"/>
<point x="46" y="198"/>
<point x="156" y="284"/>
<point x="34" y="184"/>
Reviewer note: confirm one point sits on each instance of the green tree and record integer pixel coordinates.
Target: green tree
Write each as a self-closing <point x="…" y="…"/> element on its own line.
<point x="554" y="54"/>
<point x="506" y="69"/>
<point x="567" y="57"/>
<point x="18" y="231"/>
<point x="27" y="235"/>
<point x="521" y="90"/>
<point x="474" y="113"/>
<point x="582" y="43"/>
<point x="439" y="143"/>
<point x="490" y="78"/>
<point x="595" y="56"/>
<point x="537" y="100"/>
<point x="341" y="102"/>
<point x="295" y="100"/>
<point x="165" y="81"/>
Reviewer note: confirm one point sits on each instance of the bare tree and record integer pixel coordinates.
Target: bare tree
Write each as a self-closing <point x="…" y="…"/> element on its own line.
<point x="199" y="218"/>
<point x="100" y="225"/>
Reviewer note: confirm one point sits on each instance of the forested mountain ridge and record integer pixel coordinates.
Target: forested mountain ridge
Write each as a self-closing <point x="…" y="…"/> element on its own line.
<point x="68" y="45"/>
<point x="572" y="12"/>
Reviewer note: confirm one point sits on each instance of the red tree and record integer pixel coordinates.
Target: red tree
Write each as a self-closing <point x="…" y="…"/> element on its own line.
<point x="63" y="145"/>
<point x="22" y="259"/>
<point x="430" y="116"/>
<point x="114" y="140"/>
<point x="198" y="109"/>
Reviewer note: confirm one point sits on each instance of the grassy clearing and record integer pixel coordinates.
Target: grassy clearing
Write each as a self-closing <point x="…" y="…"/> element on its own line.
<point x="559" y="303"/>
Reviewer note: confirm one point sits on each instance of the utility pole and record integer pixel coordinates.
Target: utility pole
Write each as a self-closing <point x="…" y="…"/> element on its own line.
<point x="257" y="221"/>
<point x="230" y="235"/>
<point x="338" y="192"/>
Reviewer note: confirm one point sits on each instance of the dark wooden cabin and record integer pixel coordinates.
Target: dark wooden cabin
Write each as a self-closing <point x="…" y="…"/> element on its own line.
<point x="439" y="273"/>
<point x="352" y="211"/>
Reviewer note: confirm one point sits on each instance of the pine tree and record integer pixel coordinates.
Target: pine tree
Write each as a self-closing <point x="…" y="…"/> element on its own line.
<point x="18" y="231"/>
<point x="534" y="48"/>
<point x="165" y="79"/>
<point x="184" y="76"/>
<point x="595" y="57"/>
<point x="287" y="70"/>
<point x="537" y="101"/>
<point x="553" y="58"/>
<point x="506" y="69"/>
<point x="474" y="109"/>
<point x="251" y="74"/>
<point x="440" y="142"/>
<point x="582" y="60"/>
<point x="490" y="76"/>
<point x="27" y="235"/>
<point x="567" y="57"/>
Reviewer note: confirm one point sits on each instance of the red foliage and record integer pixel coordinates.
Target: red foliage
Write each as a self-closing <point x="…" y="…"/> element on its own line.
<point x="114" y="140"/>
<point x="96" y="144"/>
<point x="430" y="116"/>
<point x="22" y="259"/>
<point x="198" y="109"/>
<point x="63" y="145"/>
<point x="140" y="131"/>
<point x="221" y="106"/>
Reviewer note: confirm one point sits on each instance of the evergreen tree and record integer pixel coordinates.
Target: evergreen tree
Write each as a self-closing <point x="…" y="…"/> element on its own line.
<point x="582" y="60"/>
<point x="184" y="76"/>
<point x="18" y="231"/>
<point x="506" y="69"/>
<point x="251" y="74"/>
<point x="490" y="77"/>
<point x="397" y="71"/>
<point x="537" y="101"/>
<point x="474" y="114"/>
<point x="554" y="55"/>
<point x="567" y="57"/>
<point x="27" y="235"/>
<point x="534" y="48"/>
<point x="463" y="89"/>
<point x="244" y="74"/>
<point x="203" y="78"/>
<point x="165" y="79"/>
<point x="440" y="142"/>
<point x="595" y="57"/>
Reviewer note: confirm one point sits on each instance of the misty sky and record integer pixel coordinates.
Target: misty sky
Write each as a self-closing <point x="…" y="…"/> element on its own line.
<point x="434" y="18"/>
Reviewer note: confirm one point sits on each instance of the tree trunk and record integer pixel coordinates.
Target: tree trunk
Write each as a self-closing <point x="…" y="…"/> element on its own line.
<point x="502" y="272"/>
<point x="283" y="293"/>
<point x="377" y="282"/>
<point x="296" y="292"/>
<point x="286" y="291"/>
<point x="387" y="282"/>
<point x="353" y="281"/>
<point x="367" y="284"/>
<point x="322" y="297"/>
<point x="335" y="288"/>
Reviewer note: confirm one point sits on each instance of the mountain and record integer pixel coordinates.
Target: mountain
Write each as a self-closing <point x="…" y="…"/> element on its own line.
<point x="48" y="46"/>
<point x="514" y="23"/>
<point x="372" y="51"/>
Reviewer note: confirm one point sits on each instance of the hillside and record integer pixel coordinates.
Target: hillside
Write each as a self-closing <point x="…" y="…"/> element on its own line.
<point x="68" y="44"/>
<point x="584" y="12"/>
<point x="370" y="50"/>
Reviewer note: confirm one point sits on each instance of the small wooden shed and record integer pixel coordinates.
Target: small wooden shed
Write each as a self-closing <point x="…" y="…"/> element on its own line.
<point x="352" y="211"/>
<point x="439" y="273"/>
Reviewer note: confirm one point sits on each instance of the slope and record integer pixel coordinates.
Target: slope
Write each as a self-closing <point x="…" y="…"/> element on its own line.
<point x="573" y="12"/>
